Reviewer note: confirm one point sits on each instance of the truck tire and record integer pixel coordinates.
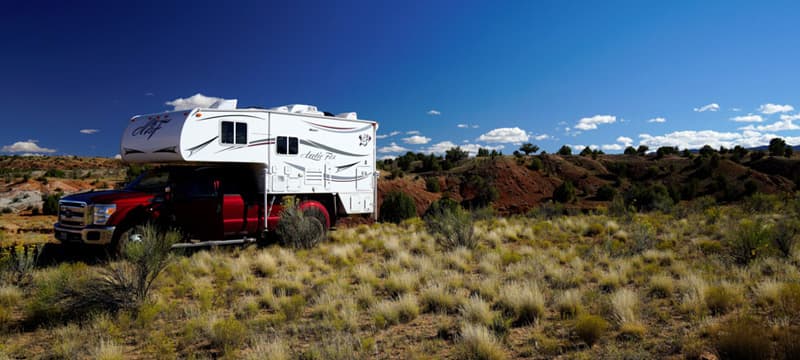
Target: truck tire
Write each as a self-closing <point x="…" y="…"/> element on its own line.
<point x="317" y="210"/>
<point x="131" y="232"/>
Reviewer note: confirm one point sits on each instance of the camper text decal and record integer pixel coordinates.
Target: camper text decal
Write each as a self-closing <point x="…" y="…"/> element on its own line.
<point x="319" y="155"/>
<point x="149" y="129"/>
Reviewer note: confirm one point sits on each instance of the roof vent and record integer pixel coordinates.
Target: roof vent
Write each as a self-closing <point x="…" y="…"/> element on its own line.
<point x="224" y="104"/>
<point x="348" y="115"/>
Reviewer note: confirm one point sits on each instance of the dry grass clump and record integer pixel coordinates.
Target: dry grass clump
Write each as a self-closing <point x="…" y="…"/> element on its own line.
<point x="625" y="306"/>
<point x="264" y="264"/>
<point x="390" y="312"/>
<point x="694" y="294"/>
<point x="722" y="298"/>
<point x="476" y="310"/>
<point x="522" y="301"/>
<point x="768" y="291"/>
<point x="569" y="303"/>
<point x="227" y="333"/>
<point x="365" y="274"/>
<point x="10" y="295"/>
<point x="590" y="328"/>
<point x="476" y="342"/>
<point x="661" y="286"/>
<point x="269" y="348"/>
<point x="402" y="282"/>
<point x="438" y="298"/>
<point x="107" y="350"/>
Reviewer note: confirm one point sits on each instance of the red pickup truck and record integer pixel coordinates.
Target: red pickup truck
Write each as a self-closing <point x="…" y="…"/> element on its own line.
<point x="208" y="204"/>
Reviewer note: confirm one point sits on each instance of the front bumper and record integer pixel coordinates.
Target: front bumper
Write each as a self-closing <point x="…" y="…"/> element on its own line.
<point x="95" y="235"/>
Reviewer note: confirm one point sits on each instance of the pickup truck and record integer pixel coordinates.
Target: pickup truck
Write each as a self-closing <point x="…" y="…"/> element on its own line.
<point x="208" y="204"/>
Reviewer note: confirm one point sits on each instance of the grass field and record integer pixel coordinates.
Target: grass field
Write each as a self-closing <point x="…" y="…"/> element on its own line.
<point x="701" y="280"/>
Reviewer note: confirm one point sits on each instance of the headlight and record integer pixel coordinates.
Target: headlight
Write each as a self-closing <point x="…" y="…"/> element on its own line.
<point x="102" y="213"/>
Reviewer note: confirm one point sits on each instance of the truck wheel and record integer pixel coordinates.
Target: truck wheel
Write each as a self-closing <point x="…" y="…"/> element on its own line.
<point x="127" y="234"/>
<point x="316" y="210"/>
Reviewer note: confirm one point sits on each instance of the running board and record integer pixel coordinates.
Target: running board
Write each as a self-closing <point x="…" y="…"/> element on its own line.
<point x="214" y="243"/>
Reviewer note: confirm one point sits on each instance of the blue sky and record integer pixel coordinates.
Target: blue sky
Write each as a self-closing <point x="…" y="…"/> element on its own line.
<point x="434" y="74"/>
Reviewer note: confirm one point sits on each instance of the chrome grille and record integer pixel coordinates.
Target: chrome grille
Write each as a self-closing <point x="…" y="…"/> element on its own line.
<point x="72" y="214"/>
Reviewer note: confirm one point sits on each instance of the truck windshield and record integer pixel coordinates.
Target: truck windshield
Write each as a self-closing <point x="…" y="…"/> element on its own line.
<point x="151" y="181"/>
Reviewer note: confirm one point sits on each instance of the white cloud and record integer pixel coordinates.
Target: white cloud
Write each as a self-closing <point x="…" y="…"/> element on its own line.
<point x="412" y="132"/>
<point x="89" y="131"/>
<point x="434" y="112"/>
<point x="384" y="136"/>
<point x="657" y="120"/>
<point x="624" y="140"/>
<point x="790" y="117"/>
<point x="29" y="146"/>
<point x="148" y="94"/>
<point x="463" y="126"/>
<point x="118" y="156"/>
<point x="541" y="137"/>
<point x="709" y="107"/>
<point x="416" y="140"/>
<point x="691" y="139"/>
<point x="442" y="147"/>
<point x="590" y="123"/>
<point x="736" y="109"/>
<point x="392" y="148"/>
<point x="775" y="108"/>
<point x="612" y="147"/>
<point x="782" y="125"/>
<point x="576" y="148"/>
<point x="381" y="136"/>
<point x="748" y="118"/>
<point x="504" y="135"/>
<point x="195" y="101"/>
<point x="388" y="157"/>
<point x="475" y="126"/>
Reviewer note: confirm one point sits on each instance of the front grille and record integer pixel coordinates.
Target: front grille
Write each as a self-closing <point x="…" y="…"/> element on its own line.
<point x="72" y="214"/>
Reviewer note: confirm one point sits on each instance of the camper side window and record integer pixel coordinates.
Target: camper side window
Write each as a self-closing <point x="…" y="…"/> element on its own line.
<point x="241" y="133"/>
<point x="286" y="145"/>
<point x="233" y="135"/>
<point x="226" y="132"/>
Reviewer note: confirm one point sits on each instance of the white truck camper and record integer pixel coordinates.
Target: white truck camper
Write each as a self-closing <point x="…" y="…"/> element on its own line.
<point x="292" y="150"/>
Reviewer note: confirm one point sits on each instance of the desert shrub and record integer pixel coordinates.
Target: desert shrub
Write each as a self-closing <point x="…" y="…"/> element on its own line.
<point x="606" y="192"/>
<point x="761" y="203"/>
<point x="661" y="286"/>
<point x="569" y="304"/>
<point x="536" y="164"/>
<point x="125" y="284"/>
<point x="17" y="263"/>
<point x="747" y="241"/>
<point x="452" y="227"/>
<point x="590" y="328"/>
<point x="743" y="338"/>
<point x="476" y="342"/>
<point x="227" y="333"/>
<point x="438" y="298"/>
<point x="648" y="198"/>
<point x="432" y="184"/>
<point x="56" y="173"/>
<point x="396" y="207"/>
<point x="50" y="203"/>
<point x="299" y="229"/>
<point x="564" y="193"/>
<point x="476" y="310"/>
<point x="784" y="235"/>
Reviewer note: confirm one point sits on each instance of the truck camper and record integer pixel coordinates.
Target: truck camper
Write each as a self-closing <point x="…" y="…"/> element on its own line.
<point x="220" y="174"/>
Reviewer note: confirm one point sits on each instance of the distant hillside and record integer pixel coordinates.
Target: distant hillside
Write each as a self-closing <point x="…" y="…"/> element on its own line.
<point x="525" y="182"/>
<point x="510" y="184"/>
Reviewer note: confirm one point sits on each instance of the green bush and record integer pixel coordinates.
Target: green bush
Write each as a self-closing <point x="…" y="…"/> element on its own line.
<point x="784" y="235"/>
<point x="648" y="198"/>
<point x="747" y="241"/>
<point x="50" y="203"/>
<point x="452" y="227"/>
<point x="536" y="164"/>
<point x="606" y="192"/>
<point x="432" y="184"/>
<point x="565" y="192"/>
<point x="396" y="207"/>
<point x="590" y="328"/>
